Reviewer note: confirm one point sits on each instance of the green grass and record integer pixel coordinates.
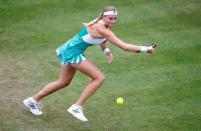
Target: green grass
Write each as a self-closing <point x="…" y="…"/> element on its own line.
<point x="161" y="91"/>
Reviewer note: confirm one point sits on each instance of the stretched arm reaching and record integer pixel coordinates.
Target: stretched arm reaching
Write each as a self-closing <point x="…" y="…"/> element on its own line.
<point x="109" y="35"/>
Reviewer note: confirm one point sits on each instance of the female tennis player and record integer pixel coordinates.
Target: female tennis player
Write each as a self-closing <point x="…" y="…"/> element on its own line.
<point x="70" y="54"/>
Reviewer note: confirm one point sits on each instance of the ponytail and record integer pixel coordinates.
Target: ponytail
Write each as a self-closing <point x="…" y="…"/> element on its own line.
<point x="105" y="9"/>
<point x="93" y="21"/>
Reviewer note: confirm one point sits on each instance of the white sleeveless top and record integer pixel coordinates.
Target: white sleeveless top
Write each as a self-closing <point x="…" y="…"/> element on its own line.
<point x="91" y="40"/>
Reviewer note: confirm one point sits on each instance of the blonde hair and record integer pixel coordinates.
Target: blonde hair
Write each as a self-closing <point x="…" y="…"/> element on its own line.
<point x="100" y="17"/>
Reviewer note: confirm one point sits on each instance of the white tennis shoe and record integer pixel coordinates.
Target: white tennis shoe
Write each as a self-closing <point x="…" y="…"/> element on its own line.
<point x="34" y="106"/>
<point x="77" y="111"/>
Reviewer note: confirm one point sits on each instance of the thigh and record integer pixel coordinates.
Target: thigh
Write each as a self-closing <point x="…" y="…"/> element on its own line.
<point x="67" y="73"/>
<point x="88" y="68"/>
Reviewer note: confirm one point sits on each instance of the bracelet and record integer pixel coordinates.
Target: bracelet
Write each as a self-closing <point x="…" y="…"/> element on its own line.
<point x="106" y="51"/>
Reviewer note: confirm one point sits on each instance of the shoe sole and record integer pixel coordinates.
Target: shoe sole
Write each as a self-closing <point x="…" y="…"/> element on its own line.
<point x="75" y="115"/>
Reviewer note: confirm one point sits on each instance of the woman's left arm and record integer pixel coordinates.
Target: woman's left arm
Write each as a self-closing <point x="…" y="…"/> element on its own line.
<point x="106" y="50"/>
<point x="104" y="45"/>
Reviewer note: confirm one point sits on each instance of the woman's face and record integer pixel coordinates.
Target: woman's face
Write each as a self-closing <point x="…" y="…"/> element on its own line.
<point x="110" y="20"/>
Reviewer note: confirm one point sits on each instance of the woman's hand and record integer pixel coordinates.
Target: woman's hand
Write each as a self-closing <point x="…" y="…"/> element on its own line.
<point x="109" y="57"/>
<point x="151" y="49"/>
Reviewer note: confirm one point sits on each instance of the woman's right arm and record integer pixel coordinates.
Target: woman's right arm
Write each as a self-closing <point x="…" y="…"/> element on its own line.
<point x="109" y="35"/>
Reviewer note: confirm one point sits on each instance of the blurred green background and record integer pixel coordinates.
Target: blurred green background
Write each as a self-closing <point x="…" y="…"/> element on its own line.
<point x="161" y="91"/>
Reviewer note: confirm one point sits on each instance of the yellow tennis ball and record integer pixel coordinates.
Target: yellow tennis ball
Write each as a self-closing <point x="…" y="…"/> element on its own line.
<point x="120" y="101"/>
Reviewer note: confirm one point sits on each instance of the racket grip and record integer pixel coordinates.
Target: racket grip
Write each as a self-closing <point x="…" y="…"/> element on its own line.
<point x="153" y="45"/>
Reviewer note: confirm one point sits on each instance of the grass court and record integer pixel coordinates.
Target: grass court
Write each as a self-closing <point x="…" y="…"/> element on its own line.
<point x="162" y="92"/>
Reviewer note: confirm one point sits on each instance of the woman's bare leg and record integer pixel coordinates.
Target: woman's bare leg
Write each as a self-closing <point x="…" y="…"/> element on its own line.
<point x="97" y="76"/>
<point x="66" y="75"/>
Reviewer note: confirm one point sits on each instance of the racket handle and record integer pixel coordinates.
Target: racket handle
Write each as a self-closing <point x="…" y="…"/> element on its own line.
<point x="153" y="45"/>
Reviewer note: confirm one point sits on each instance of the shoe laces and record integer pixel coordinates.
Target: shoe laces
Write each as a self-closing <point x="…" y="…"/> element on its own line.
<point x="36" y="106"/>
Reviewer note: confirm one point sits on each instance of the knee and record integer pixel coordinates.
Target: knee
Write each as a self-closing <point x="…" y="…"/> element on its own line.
<point x="101" y="78"/>
<point x="63" y="83"/>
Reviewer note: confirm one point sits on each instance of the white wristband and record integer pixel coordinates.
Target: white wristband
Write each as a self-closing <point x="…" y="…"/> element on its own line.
<point x="143" y="48"/>
<point x="106" y="51"/>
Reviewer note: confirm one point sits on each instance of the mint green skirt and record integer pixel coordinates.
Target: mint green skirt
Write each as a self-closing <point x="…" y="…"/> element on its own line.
<point x="72" y="51"/>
